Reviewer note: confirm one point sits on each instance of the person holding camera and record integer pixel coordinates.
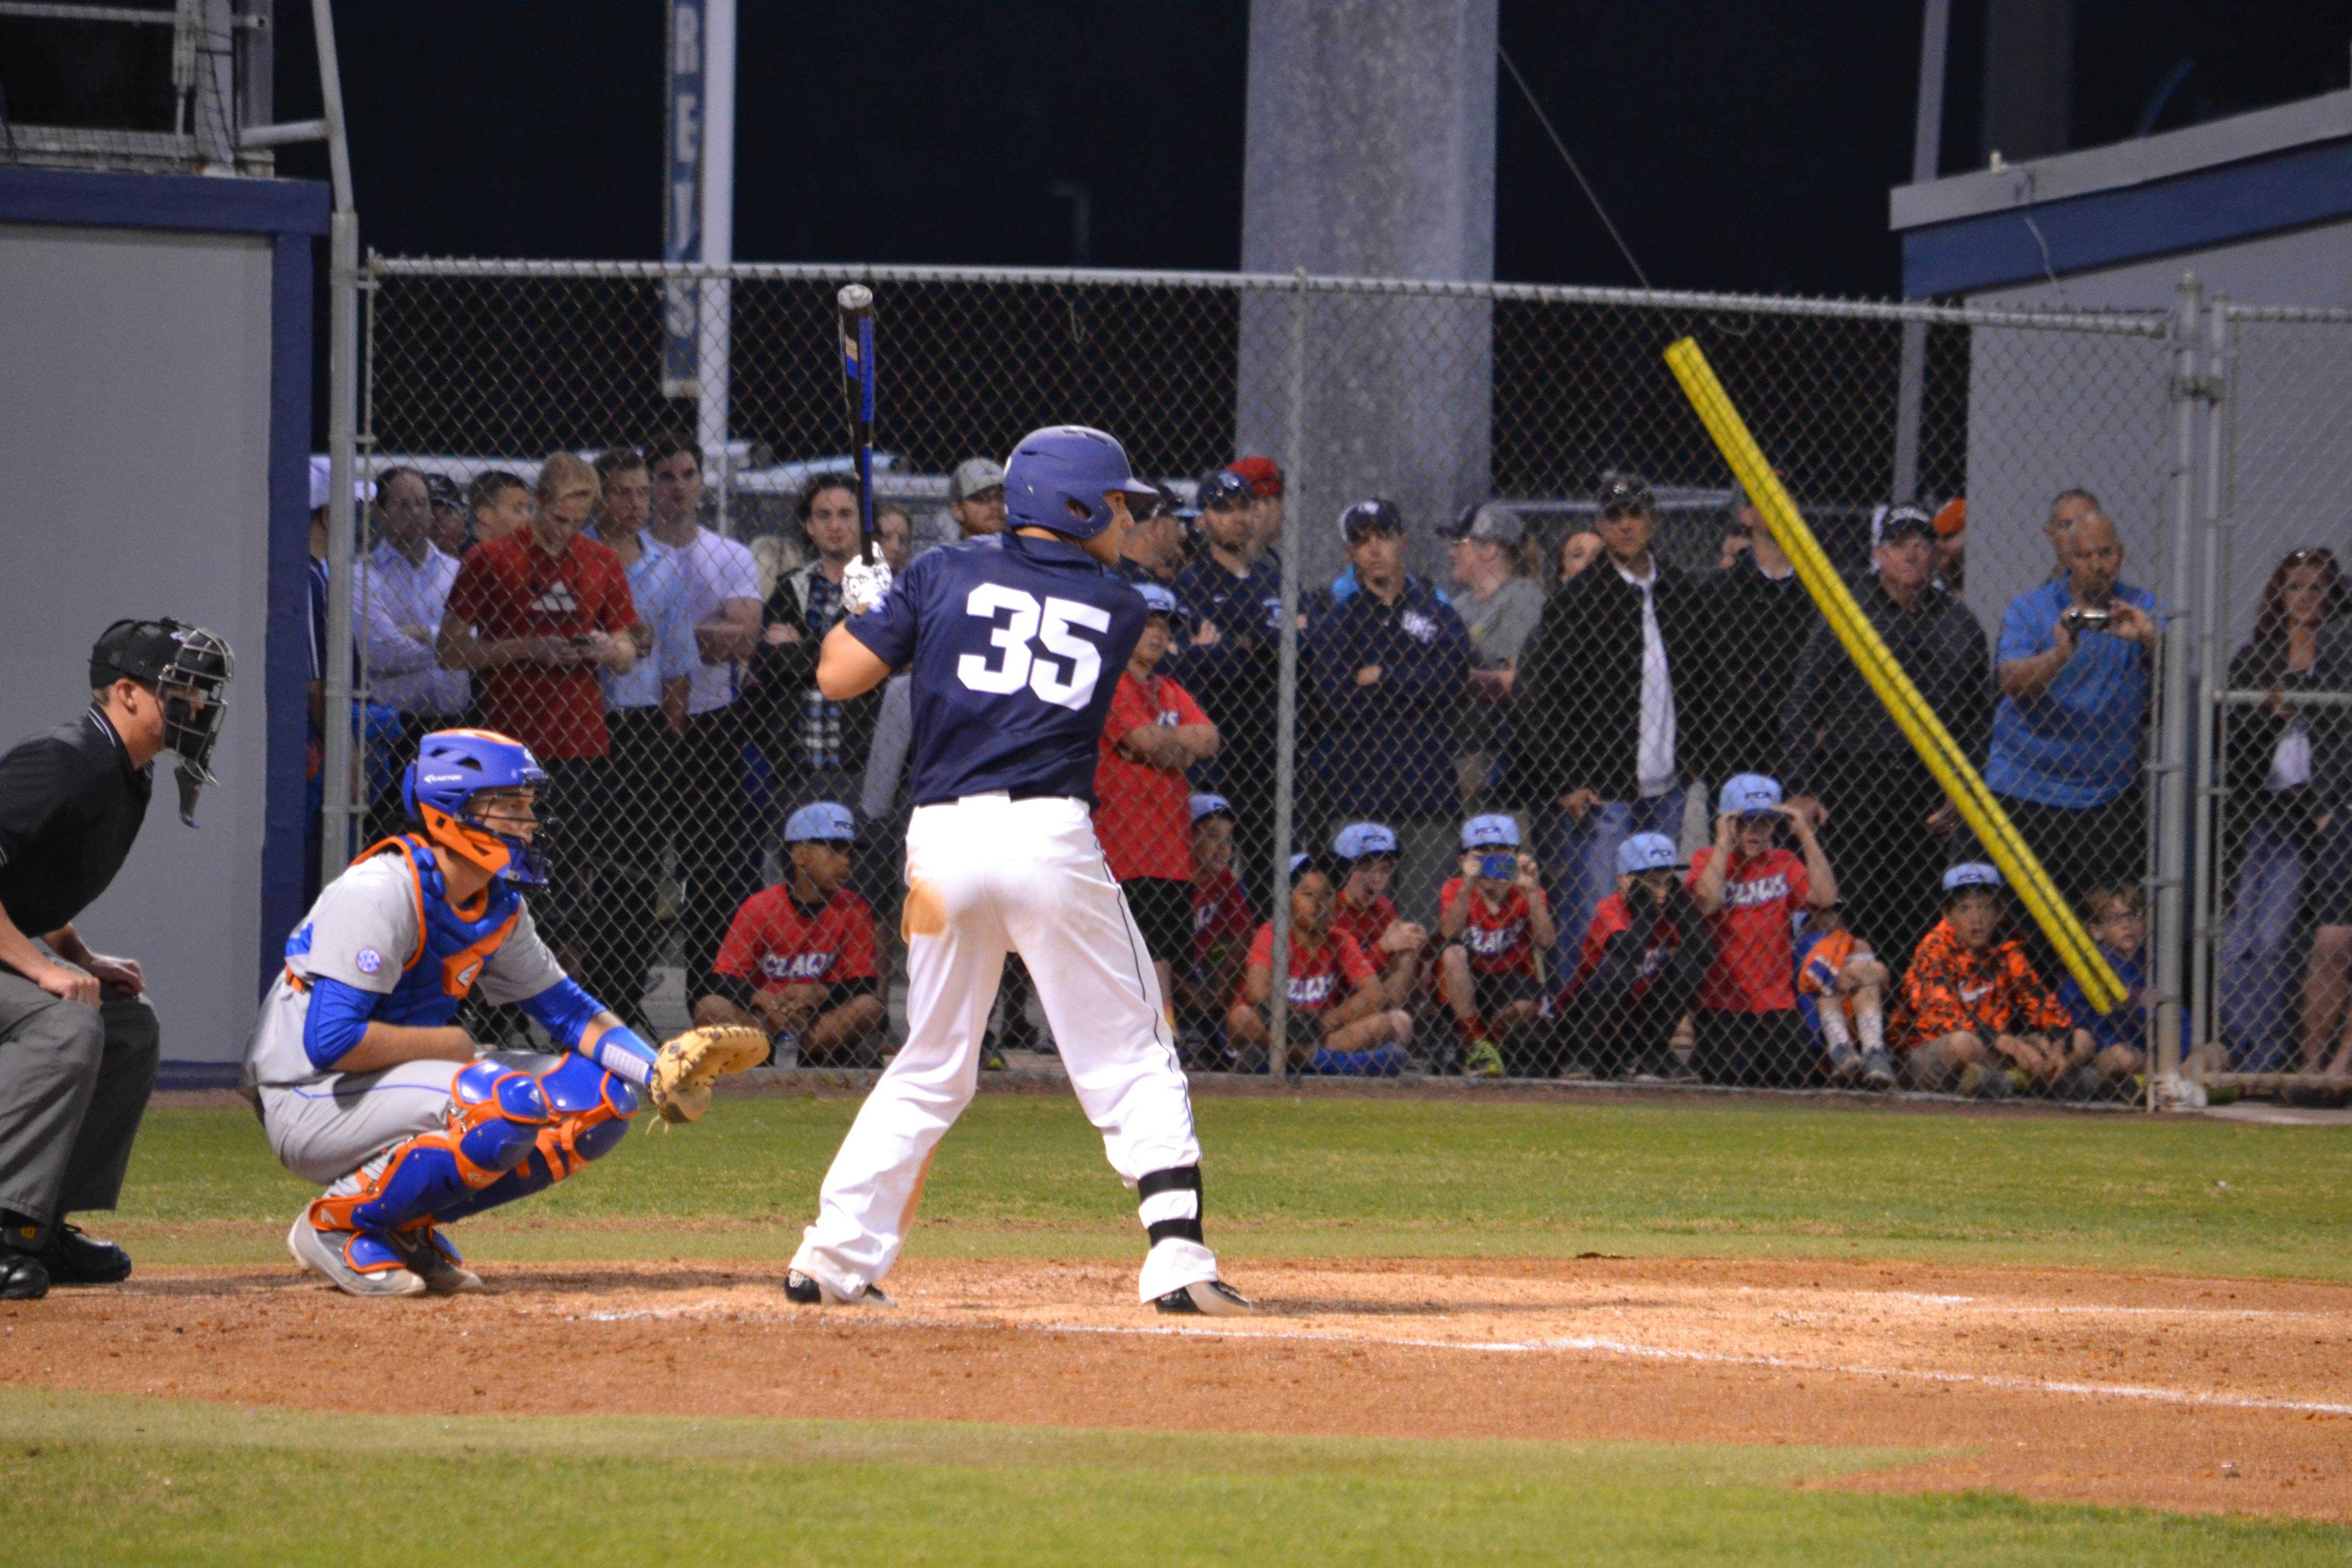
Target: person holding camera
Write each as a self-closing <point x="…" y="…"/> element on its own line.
<point x="1644" y="955"/>
<point x="2074" y="666"/>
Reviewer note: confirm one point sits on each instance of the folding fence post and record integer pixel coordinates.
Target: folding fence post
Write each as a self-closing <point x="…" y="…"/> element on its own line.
<point x="1286" y="721"/>
<point x="2213" y="791"/>
<point x="2169" y="930"/>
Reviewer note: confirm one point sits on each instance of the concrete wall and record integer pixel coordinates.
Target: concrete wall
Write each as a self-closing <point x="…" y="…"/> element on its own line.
<point x="1371" y="153"/>
<point x="134" y="430"/>
<point x="2290" y="410"/>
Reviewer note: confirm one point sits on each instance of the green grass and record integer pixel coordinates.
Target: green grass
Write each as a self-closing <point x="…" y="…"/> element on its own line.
<point x="1380" y="1176"/>
<point x="89" y="1478"/>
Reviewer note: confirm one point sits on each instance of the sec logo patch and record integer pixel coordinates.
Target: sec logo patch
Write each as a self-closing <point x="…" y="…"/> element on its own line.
<point x="368" y="960"/>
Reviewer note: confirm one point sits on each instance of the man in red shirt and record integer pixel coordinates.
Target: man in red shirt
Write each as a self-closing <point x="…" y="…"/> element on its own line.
<point x="799" y="960"/>
<point x="1644" y="957"/>
<point x="1366" y="853"/>
<point x="536" y="613"/>
<point x="1340" y="1021"/>
<point x="1222" y="928"/>
<point x="1745" y="1028"/>
<point x="1142" y="816"/>
<point x="1494" y="919"/>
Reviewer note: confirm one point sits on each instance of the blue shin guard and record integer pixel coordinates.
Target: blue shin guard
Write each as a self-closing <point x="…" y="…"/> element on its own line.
<point x="495" y="1118"/>
<point x="589" y="1109"/>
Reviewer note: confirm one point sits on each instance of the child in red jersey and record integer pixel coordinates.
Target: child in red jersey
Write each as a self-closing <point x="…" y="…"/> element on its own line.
<point x="798" y="961"/>
<point x="1154" y="732"/>
<point x="1366" y="857"/>
<point x="1747" y="1029"/>
<point x="1222" y="928"/>
<point x="1494" y="919"/>
<point x="1340" y="1021"/>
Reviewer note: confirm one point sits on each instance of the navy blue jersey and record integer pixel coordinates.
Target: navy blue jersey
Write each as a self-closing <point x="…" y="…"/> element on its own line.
<point x="1017" y="646"/>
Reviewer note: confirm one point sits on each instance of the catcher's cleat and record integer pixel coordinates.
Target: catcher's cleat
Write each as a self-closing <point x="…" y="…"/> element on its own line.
<point x="357" y="1263"/>
<point x="434" y="1259"/>
<point x="73" y="1257"/>
<point x="1204" y="1298"/>
<point x="806" y="1290"/>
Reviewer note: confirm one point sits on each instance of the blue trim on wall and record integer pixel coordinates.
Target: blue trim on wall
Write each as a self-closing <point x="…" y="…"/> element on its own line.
<point x="2109" y="228"/>
<point x="163" y="201"/>
<point x="287" y="657"/>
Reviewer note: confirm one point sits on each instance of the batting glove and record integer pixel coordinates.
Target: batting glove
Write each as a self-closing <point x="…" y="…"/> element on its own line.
<point x="863" y="584"/>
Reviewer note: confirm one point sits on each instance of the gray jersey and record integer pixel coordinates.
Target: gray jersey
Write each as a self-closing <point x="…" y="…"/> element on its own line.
<point x="363" y="929"/>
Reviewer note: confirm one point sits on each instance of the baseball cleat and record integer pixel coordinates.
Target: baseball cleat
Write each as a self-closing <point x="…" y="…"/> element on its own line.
<point x="357" y="1263"/>
<point x="434" y="1259"/>
<point x="1205" y="1298"/>
<point x="808" y="1292"/>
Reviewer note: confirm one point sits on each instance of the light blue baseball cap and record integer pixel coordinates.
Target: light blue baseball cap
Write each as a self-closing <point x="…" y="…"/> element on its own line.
<point x="1158" y="600"/>
<point x="827" y="819"/>
<point x="1647" y="852"/>
<point x="1744" y="794"/>
<point x="1207" y="805"/>
<point x="1359" y="839"/>
<point x="1493" y="831"/>
<point x="1972" y="874"/>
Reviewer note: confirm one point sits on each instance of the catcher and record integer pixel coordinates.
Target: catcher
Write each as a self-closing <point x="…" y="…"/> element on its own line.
<point x="366" y="1084"/>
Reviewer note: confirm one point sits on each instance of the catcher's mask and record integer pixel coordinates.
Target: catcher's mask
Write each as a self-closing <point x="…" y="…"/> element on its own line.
<point x="443" y="790"/>
<point x="188" y="668"/>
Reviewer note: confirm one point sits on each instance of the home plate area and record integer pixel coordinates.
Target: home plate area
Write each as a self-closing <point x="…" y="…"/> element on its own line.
<point x="2053" y="1384"/>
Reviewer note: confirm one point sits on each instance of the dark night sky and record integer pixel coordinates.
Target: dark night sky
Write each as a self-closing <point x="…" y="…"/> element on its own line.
<point x="1741" y="144"/>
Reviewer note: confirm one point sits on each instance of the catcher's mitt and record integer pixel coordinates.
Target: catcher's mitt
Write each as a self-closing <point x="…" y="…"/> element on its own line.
<point x="690" y="1063"/>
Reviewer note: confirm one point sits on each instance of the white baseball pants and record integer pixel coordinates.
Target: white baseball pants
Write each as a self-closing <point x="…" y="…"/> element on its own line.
<point x="987" y="875"/>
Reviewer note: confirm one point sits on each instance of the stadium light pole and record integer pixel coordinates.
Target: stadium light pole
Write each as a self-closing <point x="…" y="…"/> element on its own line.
<point x="715" y="342"/>
<point x="1927" y="158"/>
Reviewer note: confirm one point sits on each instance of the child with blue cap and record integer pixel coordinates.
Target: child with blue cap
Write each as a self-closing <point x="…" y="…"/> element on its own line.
<point x="799" y="959"/>
<point x="1643" y="956"/>
<point x="1494" y="919"/>
<point x="1745" y="1028"/>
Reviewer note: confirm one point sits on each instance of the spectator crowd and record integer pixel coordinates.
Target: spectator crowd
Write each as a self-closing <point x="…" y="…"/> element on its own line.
<point x="1579" y="810"/>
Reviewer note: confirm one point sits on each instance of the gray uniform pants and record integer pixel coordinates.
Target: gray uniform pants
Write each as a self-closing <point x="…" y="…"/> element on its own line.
<point x="74" y="1082"/>
<point x="324" y="1131"/>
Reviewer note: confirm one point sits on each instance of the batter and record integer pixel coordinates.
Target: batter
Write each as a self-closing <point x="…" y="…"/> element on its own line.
<point x="1015" y="642"/>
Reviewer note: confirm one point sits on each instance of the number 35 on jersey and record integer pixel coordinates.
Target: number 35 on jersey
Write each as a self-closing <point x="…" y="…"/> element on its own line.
<point x="1071" y="665"/>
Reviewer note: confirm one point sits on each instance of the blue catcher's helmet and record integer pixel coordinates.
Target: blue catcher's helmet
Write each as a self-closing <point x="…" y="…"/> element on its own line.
<point x="452" y="766"/>
<point x="1063" y="465"/>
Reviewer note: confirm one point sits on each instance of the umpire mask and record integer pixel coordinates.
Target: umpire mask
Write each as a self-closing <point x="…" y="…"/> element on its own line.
<point x="189" y="669"/>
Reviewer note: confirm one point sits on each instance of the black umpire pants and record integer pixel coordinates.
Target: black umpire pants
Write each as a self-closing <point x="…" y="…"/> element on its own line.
<point x="74" y="1082"/>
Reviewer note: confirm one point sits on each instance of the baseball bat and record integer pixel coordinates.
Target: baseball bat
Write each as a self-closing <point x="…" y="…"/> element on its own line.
<point x="855" y="302"/>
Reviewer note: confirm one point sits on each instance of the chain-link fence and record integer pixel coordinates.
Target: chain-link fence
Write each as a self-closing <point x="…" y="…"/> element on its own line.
<point x="2276" y="909"/>
<point x="1459" y="604"/>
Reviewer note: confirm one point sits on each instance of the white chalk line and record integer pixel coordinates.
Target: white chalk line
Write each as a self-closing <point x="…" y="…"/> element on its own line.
<point x="1581" y="1343"/>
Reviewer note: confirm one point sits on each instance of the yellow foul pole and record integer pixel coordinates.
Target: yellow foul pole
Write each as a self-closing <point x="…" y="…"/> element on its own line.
<point x="1957" y="776"/>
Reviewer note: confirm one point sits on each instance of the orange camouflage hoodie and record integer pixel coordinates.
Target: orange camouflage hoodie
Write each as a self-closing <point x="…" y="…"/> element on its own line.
<point x="1950" y="987"/>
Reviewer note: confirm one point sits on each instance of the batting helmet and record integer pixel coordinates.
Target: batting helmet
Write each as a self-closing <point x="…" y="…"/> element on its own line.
<point x="451" y="767"/>
<point x="1066" y="466"/>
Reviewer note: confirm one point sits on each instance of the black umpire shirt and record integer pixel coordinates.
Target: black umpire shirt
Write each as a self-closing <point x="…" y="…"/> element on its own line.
<point x="70" y="806"/>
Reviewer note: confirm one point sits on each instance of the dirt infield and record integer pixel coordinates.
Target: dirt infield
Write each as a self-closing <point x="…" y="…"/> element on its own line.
<point x="2184" y="1393"/>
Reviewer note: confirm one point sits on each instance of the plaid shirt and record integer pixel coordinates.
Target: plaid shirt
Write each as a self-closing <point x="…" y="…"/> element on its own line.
<point x="1951" y="988"/>
<point x="820" y="716"/>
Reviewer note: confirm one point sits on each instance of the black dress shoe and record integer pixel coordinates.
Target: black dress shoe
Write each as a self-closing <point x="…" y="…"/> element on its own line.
<point x="73" y="1257"/>
<point x="22" y="1277"/>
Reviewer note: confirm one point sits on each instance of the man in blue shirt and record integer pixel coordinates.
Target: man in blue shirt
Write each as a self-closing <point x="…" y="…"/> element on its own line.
<point x="2073" y="666"/>
<point x="1015" y="642"/>
<point x="1391" y="663"/>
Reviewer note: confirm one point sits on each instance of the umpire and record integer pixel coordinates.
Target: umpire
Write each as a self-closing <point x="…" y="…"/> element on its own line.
<point x="78" y="1043"/>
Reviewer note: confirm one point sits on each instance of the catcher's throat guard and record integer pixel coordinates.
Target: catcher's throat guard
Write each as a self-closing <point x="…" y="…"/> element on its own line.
<point x="189" y="669"/>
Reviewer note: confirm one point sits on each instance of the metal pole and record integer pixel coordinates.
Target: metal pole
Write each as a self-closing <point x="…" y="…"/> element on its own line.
<point x="718" y="326"/>
<point x="1286" y="721"/>
<point x="337" y="807"/>
<point x="1927" y="158"/>
<point x="2168" y="929"/>
<point x="2213" y="794"/>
